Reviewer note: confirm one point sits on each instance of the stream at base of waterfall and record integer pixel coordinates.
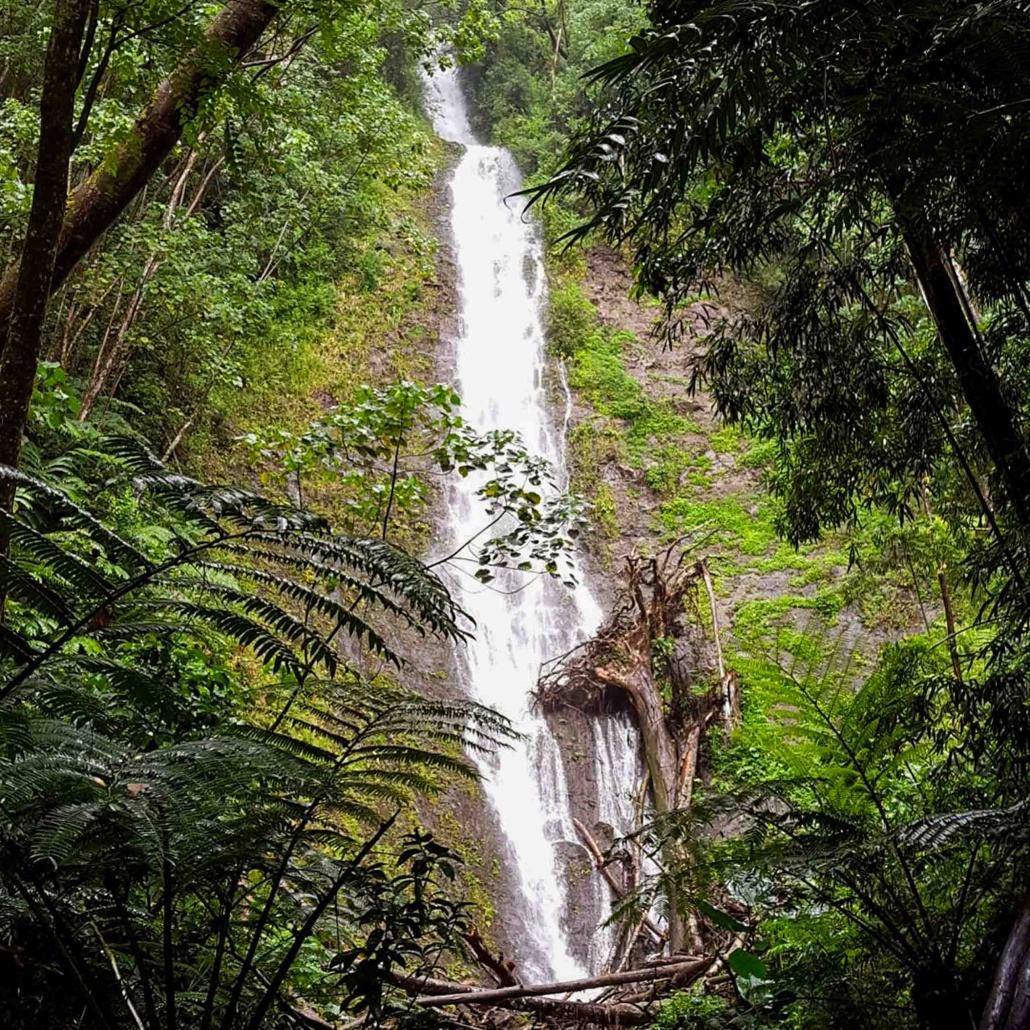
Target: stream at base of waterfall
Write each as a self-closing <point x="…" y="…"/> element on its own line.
<point x="499" y="360"/>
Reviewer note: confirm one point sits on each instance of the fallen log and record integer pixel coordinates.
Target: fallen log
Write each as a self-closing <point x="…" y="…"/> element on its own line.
<point x="683" y="974"/>
<point x="612" y="1014"/>
<point x="598" y="1013"/>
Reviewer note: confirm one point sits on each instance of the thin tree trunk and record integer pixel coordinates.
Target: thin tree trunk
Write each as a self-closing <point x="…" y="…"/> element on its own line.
<point x="69" y="347"/>
<point x="202" y="188"/>
<point x="109" y="360"/>
<point x="64" y="347"/>
<point x="949" y="608"/>
<point x="28" y="286"/>
<point x="168" y="944"/>
<point x="132" y="939"/>
<point x="981" y="387"/>
<point x="109" y="357"/>
<point x="949" y="621"/>
<point x="222" y="943"/>
<point x="688" y="766"/>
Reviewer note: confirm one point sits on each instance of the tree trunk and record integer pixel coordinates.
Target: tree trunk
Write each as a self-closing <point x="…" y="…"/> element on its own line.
<point x="109" y="357"/>
<point x="1006" y="1007"/>
<point x="654" y="607"/>
<point x="659" y="749"/>
<point x="949" y="609"/>
<point x="663" y="762"/>
<point x="122" y="173"/>
<point x="31" y="282"/>
<point x="981" y="388"/>
<point x="46" y="260"/>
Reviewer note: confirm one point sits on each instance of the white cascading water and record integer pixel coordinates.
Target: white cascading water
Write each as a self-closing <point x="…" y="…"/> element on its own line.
<point x="499" y="364"/>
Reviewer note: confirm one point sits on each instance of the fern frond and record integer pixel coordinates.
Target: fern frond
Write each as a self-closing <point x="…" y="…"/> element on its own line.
<point x="1009" y="824"/>
<point x="75" y="516"/>
<point x="19" y="584"/>
<point x="60" y="562"/>
<point x="248" y="632"/>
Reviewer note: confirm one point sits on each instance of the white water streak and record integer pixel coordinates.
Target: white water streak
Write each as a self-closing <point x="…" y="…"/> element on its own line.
<point x="499" y="356"/>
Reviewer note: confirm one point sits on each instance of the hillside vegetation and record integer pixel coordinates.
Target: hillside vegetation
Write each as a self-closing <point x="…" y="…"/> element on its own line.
<point x="827" y="289"/>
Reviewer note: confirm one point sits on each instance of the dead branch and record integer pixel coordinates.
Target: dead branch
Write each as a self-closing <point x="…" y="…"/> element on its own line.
<point x="503" y="972"/>
<point x="688" y="765"/>
<point x="602" y="868"/>
<point x="727" y="677"/>
<point x="706" y="578"/>
<point x="613" y="1014"/>
<point x="685" y="973"/>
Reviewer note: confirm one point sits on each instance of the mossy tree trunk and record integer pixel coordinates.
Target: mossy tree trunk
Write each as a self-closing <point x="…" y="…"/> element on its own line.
<point x="30" y="282"/>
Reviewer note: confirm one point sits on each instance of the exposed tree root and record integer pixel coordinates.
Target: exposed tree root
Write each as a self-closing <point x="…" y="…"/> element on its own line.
<point x="661" y="652"/>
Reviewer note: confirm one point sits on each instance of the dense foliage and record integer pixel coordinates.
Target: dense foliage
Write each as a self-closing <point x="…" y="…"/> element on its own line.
<point x="207" y="767"/>
<point x="826" y="152"/>
<point x="528" y="88"/>
<point x="192" y="778"/>
<point x="856" y="167"/>
<point x="221" y="272"/>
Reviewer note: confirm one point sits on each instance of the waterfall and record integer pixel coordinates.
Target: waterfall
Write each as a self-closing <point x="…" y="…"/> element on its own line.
<point x="499" y="365"/>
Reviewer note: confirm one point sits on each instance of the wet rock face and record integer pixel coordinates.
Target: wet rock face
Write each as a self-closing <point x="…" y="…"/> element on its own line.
<point x="583" y="909"/>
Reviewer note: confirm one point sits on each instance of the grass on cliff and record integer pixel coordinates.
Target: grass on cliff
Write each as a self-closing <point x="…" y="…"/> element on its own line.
<point x="708" y="480"/>
<point x="380" y="326"/>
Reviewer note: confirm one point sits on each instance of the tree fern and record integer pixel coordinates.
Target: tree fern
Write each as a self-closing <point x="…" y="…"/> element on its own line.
<point x="166" y="839"/>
